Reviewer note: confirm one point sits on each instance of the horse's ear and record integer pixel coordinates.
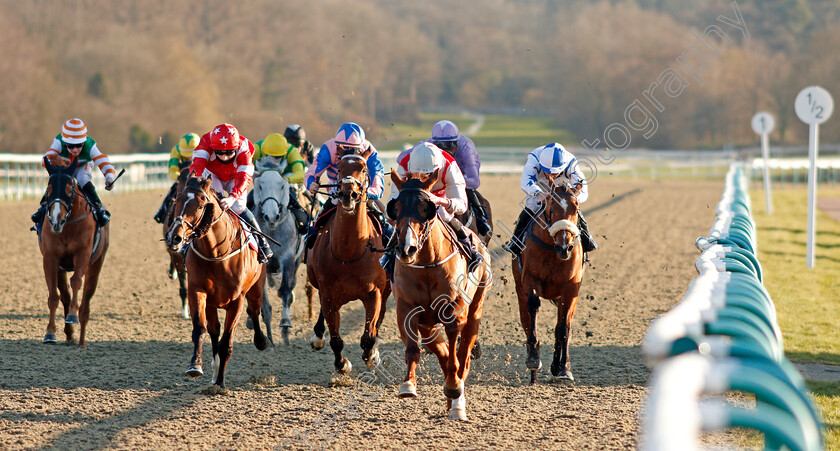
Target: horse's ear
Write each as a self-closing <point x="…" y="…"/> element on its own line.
<point x="205" y="184"/>
<point x="367" y="153"/>
<point x="397" y="180"/>
<point x="430" y="182"/>
<point x="48" y="164"/>
<point x="72" y="168"/>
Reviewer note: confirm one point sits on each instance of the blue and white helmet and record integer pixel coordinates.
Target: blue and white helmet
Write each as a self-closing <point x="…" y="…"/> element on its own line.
<point x="551" y="158"/>
<point x="445" y="131"/>
<point x="351" y="135"/>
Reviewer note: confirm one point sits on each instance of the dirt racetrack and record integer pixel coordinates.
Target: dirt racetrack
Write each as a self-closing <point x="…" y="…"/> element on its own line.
<point x="127" y="390"/>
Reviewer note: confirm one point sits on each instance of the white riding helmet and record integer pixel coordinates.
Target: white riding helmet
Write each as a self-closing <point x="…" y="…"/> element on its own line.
<point x="551" y="158"/>
<point x="424" y="158"/>
<point x="445" y="131"/>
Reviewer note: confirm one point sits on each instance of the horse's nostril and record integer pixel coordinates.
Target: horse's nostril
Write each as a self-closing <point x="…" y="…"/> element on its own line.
<point x="411" y="250"/>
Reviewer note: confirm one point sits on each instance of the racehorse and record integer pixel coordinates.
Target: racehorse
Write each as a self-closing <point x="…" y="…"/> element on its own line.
<point x="432" y="287"/>
<point x="551" y="267"/>
<point x="468" y="219"/>
<point x="312" y="204"/>
<point x="69" y="241"/>
<point x="224" y="272"/>
<point x="271" y="208"/>
<point x="343" y="267"/>
<point x="177" y="268"/>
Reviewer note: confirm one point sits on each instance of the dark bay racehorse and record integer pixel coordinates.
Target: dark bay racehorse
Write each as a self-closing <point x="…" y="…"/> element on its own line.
<point x="551" y="267"/>
<point x="343" y="267"/>
<point x="69" y="242"/>
<point x="177" y="268"/>
<point x="271" y="208"/>
<point x="223" y="270"/>
<point x="438" y="300"/>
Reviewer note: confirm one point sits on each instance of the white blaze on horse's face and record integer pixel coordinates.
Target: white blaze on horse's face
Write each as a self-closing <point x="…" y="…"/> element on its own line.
<point x="56" y="221"/>
<point x="410" y="240"/>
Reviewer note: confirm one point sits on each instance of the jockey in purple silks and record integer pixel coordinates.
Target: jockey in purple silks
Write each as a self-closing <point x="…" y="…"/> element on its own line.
<point x="350" y="140"/>
<point x="445" y="135"/>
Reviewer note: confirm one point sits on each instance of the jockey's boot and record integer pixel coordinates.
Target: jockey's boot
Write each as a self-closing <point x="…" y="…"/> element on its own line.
<point x="387" y="228"/>
<point x="301" y="216"/>
<point x="38" y="216"/>
<point x="586" y="241"/>
<point x="473" y="256"/>
<point x="312" y="233"/>
<point x="265" y="252"/>
<point x="517" y="241"/>
<point x="480" y="215"/>
<point x="102" y="215"/>
<point x="389" y="257"/>
<point x="160" y="216"/>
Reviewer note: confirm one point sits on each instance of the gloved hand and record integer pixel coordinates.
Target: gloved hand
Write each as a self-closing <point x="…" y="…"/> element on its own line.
<point x="444" y="202"/>
<point x="313" y="188"/>
<point x="227" y="202"/>
<point x="109" y="181"/>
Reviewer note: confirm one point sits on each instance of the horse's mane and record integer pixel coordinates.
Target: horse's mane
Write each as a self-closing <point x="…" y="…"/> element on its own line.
<point x="413" y="184"/>
<point x="267" y="164"/>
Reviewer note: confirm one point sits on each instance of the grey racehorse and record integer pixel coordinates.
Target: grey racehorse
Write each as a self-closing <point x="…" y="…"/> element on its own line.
<point x="271" y="208"/>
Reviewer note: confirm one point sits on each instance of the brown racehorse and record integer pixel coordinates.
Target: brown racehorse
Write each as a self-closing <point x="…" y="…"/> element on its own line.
<point x="311" y="204"/>
<point x="468" y="219"/>
<point x="551" y="267"/>
<point x="177" y="267"/>
<point x="223" y="273"/>
<point x="432" y="287"/>
<point x="343" y="267"/>
<point x="68" y="243"/>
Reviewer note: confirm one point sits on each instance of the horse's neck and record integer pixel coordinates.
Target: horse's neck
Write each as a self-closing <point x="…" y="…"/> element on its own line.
<point x="220" y="238"/>
<point x="350" y="231"/>
<point x="437" y="246"/>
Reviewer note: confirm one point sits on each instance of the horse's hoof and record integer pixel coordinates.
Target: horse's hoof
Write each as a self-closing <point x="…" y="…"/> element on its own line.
<point x="194" y="372"/>
<point x="458" y="411"/>
<point x="407" y="390"/>
<point x="261" y="342"/>
<point x="71" y="319"/>
<point x="346" y="368"/>
<point x="173" y="274"/>
<point x="316" y="342"/>
<point x="185" y="313"/>
<point x="49" y="339"/>
<point x="533" y="377"/>
<point x="249" y="323"/>
<point x="285" y="322"/>
<point x="373" y="361"/>
<point x="564" y="376"/>
<point x="452" y="393"/>
<point x="475" y="352"/>
<point x="533" y="363"/>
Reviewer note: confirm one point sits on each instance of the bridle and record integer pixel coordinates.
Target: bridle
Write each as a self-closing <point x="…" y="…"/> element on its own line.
<point x="58" y="196"/>
<point x="179" y="220"/>
<point x="363" y="186"/>
<point x="556" y="226"/>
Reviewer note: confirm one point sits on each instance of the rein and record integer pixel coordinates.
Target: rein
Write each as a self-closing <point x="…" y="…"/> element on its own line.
<point x="195" y="233"/>
<point x="363" y="188"/>
<point x="69" y="205"/>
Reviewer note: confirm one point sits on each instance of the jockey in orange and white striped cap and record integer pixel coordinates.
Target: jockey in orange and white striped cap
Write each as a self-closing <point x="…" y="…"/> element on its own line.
<point x="73" y="143"/>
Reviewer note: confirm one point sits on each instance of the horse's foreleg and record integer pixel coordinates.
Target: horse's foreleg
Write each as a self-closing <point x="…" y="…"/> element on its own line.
<point x="91" y="281"/>
<point x="317" y="340"/>
<point x="265" y="311"/>
<point x="333" y="319"/>
<point x="198" y="305"/>
<point x="561" y="365"/>
<point x="81" y="264"/>
<point x="532" y="345"/>
<point x="370" y="339"/>
<point x="452" y="386"/>
<point x="226" y="342"/>
<point x="214" y="330"/>
<point x="257" y="298"/>
<point x="52" y="278"/>
<point x="310" y="294"/>
<point x="409" y="325"/>
<point x="64" y="294"/>
<point x="182" y="289"/>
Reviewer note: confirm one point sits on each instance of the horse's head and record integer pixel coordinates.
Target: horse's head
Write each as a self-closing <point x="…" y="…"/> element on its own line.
<point x="61" y="193"/>
<point x="353" y="180"/>
<point x="196" y="208"/>
<point x="413" y="212"/>
<point x="562" y="212"/>
<point x="271" y="195"/>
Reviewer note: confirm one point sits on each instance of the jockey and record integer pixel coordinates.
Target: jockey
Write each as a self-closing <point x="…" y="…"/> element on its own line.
<point x="350" y="139"/>
<point x="448" y="194"/>
<point x="74" y="143"/>
<point x="446" y="136"/>
<point x="181" y="153"/>
<point x="275" y="150"/>
<point x="296" y="136"/>
<point x="225" y="157"/>
<point x="544" y="165"/>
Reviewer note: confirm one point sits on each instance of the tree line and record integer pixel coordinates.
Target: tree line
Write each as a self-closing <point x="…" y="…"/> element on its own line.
<point x="143" y="73"/>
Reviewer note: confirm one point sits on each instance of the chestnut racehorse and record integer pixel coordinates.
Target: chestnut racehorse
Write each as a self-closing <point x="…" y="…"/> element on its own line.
<point x="432" y="287"/>
<point x="177" y="267"/>
<point x="551" y="267"/>
<point x="69" y="242"/>
<point x="343" y="267"/>
<point x="223" y="273"/>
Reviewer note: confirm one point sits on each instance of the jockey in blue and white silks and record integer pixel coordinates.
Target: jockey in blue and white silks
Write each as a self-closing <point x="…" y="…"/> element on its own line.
<point x="349" y="140"/>
<point x="547" y="165"/>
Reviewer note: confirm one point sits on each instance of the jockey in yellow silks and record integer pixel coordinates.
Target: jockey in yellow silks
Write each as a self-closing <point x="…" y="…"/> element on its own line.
<point x="181" y="154"/>
<point x="275" y="151"/>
